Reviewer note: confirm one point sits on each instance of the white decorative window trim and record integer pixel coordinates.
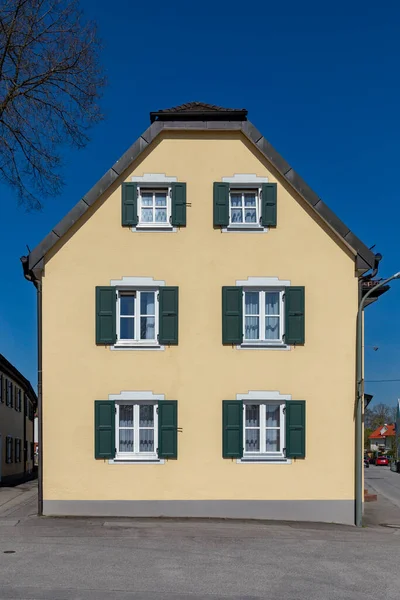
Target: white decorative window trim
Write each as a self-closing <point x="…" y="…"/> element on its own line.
<point x="245" y="178"/>
<point x="153" y="178"/>
<point x="245" y="229"/>
<point x="263" y="282"/>
<point x="137" y="282"/>
<point x="259" y="395"/>
<point x="263" y="396"/>
<point x="145" y="396"/>
<point x="136" y="396"/>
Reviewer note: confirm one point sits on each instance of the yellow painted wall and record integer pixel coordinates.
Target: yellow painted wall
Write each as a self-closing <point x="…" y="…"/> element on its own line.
<point x="199" y="372"/>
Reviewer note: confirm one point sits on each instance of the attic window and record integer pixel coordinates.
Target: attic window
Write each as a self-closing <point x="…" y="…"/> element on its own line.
<point x="154" y="207"/>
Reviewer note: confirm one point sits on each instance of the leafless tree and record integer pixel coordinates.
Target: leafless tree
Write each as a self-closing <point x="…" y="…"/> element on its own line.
<point x="379" y="415"/>
<point x="50" y="84"/>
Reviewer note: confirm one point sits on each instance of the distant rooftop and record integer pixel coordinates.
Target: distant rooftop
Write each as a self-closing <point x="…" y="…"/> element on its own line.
<point x="199" y="111"/>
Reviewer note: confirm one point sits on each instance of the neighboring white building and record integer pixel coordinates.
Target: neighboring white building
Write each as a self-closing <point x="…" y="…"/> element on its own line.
<point x="382" y="438"/>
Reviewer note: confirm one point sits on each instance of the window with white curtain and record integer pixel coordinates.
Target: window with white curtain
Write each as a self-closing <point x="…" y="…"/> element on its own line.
<point x="136" y="430"/>
<point x="264" y="429"/>
<point x="263" y="316"/>
<point x="154" y="207"/>
<point x="244" y="207"/>
<point x="137" y="317"/>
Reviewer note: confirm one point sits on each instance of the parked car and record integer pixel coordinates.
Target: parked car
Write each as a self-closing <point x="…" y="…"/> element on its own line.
<point x="382" y="461"/>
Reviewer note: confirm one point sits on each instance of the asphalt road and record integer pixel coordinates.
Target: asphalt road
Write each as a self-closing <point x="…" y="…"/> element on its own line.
<point x="385" y="482"/>
<point x="76" y="559"/>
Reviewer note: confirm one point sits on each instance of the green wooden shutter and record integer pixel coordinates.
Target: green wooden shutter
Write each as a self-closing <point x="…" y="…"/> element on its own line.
<point x="232" y="315"/>
<point x="221" y="204"/>
<point x="232" y="429"/>
<point x="104" y="429"/>
<point x="295" y="429"/>
<point x="178" y="213"/>
<point x="294" y="315"/>
<point x="168" y="315"/>
<point x="129" y="213"/>
<point x="106" y="315"/>
<point x="268" y="204"/>
<point x="168" y="429"/>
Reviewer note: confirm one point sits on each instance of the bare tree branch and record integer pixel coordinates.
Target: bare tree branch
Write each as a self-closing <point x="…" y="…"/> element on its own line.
<point x="50" y="84"/>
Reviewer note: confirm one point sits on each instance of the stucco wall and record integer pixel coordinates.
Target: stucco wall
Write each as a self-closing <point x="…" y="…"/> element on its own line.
<point x="199" y="372"/>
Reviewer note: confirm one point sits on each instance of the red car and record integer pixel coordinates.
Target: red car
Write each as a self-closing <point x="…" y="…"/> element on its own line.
<point x="382" y="461"/>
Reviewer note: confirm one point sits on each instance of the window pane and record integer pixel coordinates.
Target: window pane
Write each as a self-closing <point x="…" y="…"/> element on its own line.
<point x="250" y="215"/>
<point x="161" y="215"/>
<point x="147" y="215"/>
<point x="236" y="199"/>
<point x="126" y="415"/>
<point x="252" y="415"/>
<point x="126" y="440"/>
<point x="147" y="303"/>
<point x="251" y="303"/>
<point x="252" y="441"/>
<point x="146" y="440"/>
<point x="237" y="215"/>
<point x="147" y="199"/>
<point x="127" y="328"/>
<point x="272" y="303"/>
<point x="127" y="305"/>
<point x="273" y="442"/>
<point x="161" y="199"/>
<point x="252" y="328"/>
<point x="147" y="328"/>
<point x="146" y="415"/>
<point x="250" y="200"/>
<point x="272" y="415"/>
<point x="272" y="328"/>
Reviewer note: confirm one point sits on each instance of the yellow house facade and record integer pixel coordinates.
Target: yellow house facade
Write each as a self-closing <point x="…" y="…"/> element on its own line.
<point x="199" y="307"/>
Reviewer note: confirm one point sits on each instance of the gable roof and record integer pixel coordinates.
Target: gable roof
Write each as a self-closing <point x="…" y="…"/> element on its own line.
<point x="196" y="116"/>
<point x="383" y="431"/>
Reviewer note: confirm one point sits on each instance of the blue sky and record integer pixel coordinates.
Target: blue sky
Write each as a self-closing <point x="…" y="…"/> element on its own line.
<point x="320" y="80"/>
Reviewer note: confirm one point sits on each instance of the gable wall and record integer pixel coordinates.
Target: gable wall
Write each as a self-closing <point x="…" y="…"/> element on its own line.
<point x="199" y="372"/>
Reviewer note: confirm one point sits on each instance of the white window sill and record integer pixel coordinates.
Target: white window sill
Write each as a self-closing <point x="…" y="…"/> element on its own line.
<point x="136" y="346"/>
<point x="245" y="227"/>
<point x="263" y="346"/>
<point x="258" y="460"/>
<point x="154" y="227"/>
<point x="136" y="461"/>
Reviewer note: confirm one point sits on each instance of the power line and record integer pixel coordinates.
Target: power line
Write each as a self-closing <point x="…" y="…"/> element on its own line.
<point x="379" y="380"/>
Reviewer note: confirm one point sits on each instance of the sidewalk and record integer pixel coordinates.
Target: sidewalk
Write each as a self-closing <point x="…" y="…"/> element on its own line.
<point x="19" y="501"/>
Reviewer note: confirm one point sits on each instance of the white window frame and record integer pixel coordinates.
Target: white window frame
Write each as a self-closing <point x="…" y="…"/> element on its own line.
<point x="262" y="454"/>
<point x="123" y="291"/>
<point x="245" y="190"/>
<point x="136" y="455"/>
<point x="262" y="316"/>
<point x="154" y="190"/>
